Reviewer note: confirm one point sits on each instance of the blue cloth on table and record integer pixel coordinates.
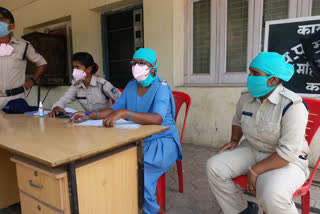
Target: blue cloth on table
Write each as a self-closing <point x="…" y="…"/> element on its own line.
<point x="18" y="106"/>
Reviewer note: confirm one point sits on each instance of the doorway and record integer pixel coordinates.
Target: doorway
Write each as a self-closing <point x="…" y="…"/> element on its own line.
<point x="122" y="35"/>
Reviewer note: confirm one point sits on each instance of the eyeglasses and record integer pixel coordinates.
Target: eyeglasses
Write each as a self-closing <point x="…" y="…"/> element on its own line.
<point x="139" y="62"/>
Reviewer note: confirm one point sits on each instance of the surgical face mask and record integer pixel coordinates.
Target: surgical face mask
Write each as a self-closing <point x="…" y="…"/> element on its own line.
<point x="5" y="50"/>
<point x="140" y="72"/>
<point x="79" y="75"/>
<point x="142" y="75"/>
<point x="258" y="87"/>
<point x="4" y="29"/>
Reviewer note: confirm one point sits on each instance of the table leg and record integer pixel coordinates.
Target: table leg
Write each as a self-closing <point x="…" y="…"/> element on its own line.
<point x="73" y="191"/>
<point x="140" y="145"/>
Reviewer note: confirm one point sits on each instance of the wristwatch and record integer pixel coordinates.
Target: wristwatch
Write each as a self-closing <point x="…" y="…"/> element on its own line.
<point x="34" y="81"/>
<point x="235" y="140"/>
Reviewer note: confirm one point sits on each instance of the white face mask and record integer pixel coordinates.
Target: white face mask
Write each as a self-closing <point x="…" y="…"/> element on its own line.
<point x="140" y="73"/>
<point x="6" y="50"/>
<point x="79" y="75"/>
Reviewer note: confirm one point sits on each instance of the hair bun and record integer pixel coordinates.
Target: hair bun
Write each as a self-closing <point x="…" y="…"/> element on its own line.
<point x="94" y="68"/>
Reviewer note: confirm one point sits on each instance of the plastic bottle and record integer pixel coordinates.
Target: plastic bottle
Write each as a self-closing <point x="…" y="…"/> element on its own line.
<point x="41" y="112"/>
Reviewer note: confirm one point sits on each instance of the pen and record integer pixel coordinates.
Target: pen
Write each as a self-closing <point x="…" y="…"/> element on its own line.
<point x="88" y="113"/>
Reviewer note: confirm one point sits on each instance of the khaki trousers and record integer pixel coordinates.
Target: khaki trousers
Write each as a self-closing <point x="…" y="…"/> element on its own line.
<point x="274" y="189"/>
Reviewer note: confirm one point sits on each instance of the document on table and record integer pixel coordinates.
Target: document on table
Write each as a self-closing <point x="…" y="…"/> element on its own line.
<point x="71" y="110"/>
<point x="35" y="113"/>
<point x="126" y="124"/>
<point x="119" y="123"/>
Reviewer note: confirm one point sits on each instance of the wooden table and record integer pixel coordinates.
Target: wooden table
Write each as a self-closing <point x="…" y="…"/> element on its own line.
<point x="56" y="143"/>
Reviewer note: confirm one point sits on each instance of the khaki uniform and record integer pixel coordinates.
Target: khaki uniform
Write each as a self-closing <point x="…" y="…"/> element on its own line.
<point x="94" y="98"/>
<point x="266" y="131"/>
<point x="13" y="68"/>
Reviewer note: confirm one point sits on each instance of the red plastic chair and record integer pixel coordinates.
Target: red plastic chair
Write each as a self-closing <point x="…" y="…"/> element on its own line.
<point x="179" y="98"/>
<point x="312" y="127"/>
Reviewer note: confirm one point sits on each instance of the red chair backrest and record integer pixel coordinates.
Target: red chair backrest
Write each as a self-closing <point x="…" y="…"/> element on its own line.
<point x="180" y="98"/>
<point x="312" y="128"/>
<point x="313" y="119"/>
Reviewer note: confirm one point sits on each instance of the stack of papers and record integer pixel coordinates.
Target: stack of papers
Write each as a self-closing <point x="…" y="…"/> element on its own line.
<point x="119" y="124"/>
<point x="36" y="113"/>
<point x="71" y="110"/>
<point x="126" y="124"/>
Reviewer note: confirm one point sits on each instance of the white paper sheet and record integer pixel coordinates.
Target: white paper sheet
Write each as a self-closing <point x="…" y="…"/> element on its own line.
<point x="35" y="113"/>
<point x="90" y="123"/>
<point x="71" y="110"/>
<point x="126" y="124"/>
<point x="119" y="124"/>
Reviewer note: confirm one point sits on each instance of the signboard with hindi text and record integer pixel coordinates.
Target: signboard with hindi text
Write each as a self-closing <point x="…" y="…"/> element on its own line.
<point x="285" y="37"/>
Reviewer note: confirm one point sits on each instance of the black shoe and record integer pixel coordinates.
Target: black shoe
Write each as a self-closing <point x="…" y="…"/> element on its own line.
<point x="252" y="208"/>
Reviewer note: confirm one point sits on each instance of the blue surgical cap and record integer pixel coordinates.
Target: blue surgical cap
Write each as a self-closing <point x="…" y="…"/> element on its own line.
<point x="272" y="63"/>
<point x="148" y="55"/>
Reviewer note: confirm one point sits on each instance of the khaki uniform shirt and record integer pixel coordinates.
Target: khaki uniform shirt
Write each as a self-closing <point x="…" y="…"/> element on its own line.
<point x="267" y="130"/>
<point x="13" y="67"/>
<point x="94" y="98"/>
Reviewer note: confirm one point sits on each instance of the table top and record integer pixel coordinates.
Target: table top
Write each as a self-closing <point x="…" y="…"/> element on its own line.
<point x="54" y="142"/>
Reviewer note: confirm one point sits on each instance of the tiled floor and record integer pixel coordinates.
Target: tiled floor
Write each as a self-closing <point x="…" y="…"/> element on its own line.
<point x="197" y="198"/>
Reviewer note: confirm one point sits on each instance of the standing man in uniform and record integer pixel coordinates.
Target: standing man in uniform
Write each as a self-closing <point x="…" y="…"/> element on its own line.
<point x="14" y="54"/>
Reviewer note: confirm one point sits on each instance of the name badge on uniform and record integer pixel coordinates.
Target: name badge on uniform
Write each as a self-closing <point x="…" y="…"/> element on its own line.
<point x="164" y="82"/>
<point x="247" y="113"/>
<point x="114" y="90"/>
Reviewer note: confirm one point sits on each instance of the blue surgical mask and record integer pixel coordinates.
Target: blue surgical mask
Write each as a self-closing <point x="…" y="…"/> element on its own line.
<point x="258" y="87"/>
<point x="4" y="29"/>
<point x="147" y="81"/>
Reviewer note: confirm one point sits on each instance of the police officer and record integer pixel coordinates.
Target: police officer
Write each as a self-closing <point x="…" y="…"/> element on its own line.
<point x="92" y="92"/>
<point x="274" y="152"/>
<point x="13" y="55"/>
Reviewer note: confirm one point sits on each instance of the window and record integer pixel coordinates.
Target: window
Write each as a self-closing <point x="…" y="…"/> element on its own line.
<point x="217" y="42"/>
<point x="315" y="7"/>
<point x="201" y="37"/>
<point x="223" y="36"/>
<point x="273" y="10"/>
<point x="237" y="35"/>
<point x="53" y="42"/>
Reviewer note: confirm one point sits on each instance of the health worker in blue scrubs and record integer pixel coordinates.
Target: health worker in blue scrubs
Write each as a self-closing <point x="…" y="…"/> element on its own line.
<point x="147" y="100"/>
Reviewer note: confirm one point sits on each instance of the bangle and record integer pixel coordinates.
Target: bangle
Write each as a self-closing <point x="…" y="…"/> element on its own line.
<point x="130" y="115"/>
<point x="235" y="140"/>
<point x="96" y="115"/>
<point x="255" y="174"/>
<point x="34" y="81"/>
